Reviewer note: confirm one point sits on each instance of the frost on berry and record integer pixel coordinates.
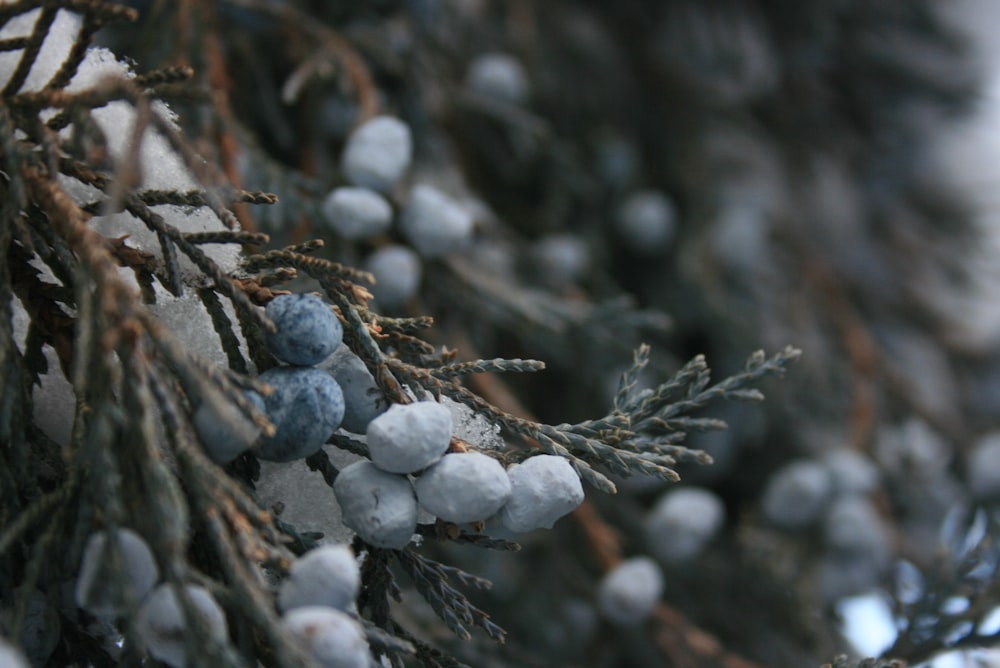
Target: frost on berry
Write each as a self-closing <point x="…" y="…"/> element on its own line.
<point x="630" y="591"/>
<point x="463" y="487"/>
<point x="307" y="330"/>
<point x="306" y="407"/>
<point x="543" y="489"/>
<point x="379" y="506"/>
<point x="331" y="638"/>
<point x="163" y="625"/>
<point x="95" y="588"/>
<point x="409" y="437"/>
<point x="327" y="576"/>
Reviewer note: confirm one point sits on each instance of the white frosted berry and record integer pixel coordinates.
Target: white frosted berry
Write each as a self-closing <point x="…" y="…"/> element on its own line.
<point x="306" y="407"/>
<point x="95" y="589"/>
<point x="224" y="429"/>
<point x="499" y="76"/>
<point x="11" y="656"/>
<point x="646" y="221"/>
<point x="797" y="494"/>
<point x="853" y="526"/>
<point x="409" y="437"/>
<point x="333" y="639"/>
<point x="982" y="468"/>
<point x="397" y="271"/>
<point x="853" y="472"/>
<point x="164" y="627"/>
<point x="328" y="575"/>
<point x="682" y="522"/>
<point x="378" y="153"/>
<point x="380" y="507"/>
<point x="363" y="401"/>
<point x="435" y="223"/>
<point x="543" y="489"/>
<point x="357" y="213"/>
<point x="307" y="329"/>
<point x="630" y="591"/>
<point x="463" y="487"/>
<point x="562" y="259"/>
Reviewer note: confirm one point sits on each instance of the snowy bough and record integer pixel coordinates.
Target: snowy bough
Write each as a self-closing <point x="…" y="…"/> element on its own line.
<point x="148" y="360"/>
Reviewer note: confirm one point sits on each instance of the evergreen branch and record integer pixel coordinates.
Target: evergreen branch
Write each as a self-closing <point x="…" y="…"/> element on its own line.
<point x="431" y="580"/>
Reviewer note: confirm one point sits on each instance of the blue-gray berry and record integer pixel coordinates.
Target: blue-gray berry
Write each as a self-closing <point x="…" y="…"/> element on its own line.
<point x="543" y="489"/>
<point x="397" y="271"/>
<point x="327" y="575"/>
<point x="797" y="494"/>
<point x="333" y="639"/>
<point x="363" y="400"/>
<point x="463" y="487"/>
<point x="224" y="429"/>
<point x="646" y="221"/>
<point x="682" y="522"/>
<point x="95" y="591"/>
<point x="500" y="76"/>
<point x="409" y="437"/>
<point x="435" y="223"/>
<point x="380" y="507"/>
<point x="357" y="213"/>
<point x="163" y="625"/>
<point x="306" y="407"/>
<point x="307" y="329"/>
<point x="630" y="591"/>
<point x="982" y="469"/>
<point x="378" y="153"/>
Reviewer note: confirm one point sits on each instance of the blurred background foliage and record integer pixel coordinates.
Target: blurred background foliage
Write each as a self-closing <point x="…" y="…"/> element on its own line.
<point x="814" y="198"/>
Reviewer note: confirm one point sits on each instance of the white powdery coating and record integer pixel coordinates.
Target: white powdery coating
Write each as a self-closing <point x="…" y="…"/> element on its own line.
<point x="163" y="626"/>
<point x="332" y="638"/>
<point x="378" y="153"/>
<point x="140" y="571"/>
<point x="682" y="522"/>
<point x="397" y="271"/>
<point x="646" y="221"/>
<point x="380" y="507"/>
<point x="327" y="576"/>
<point x="224" y="429"/>
<point x="500" y="76"/>
<point x="409" y="437"/>
<point x="797" y="494"/>
<point x="435" y="223"/>
<point x="852" y="526"/>
<point x="464" y="487"/>
<point x="543" y="489"/>
<point x="10" y="656"/>
<point x="56" y="47"/>
<point x="363" y="400"/>
<point x="982" y="469"/>
<point x="630" y="591"/>
<point x="357" y="213"/>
